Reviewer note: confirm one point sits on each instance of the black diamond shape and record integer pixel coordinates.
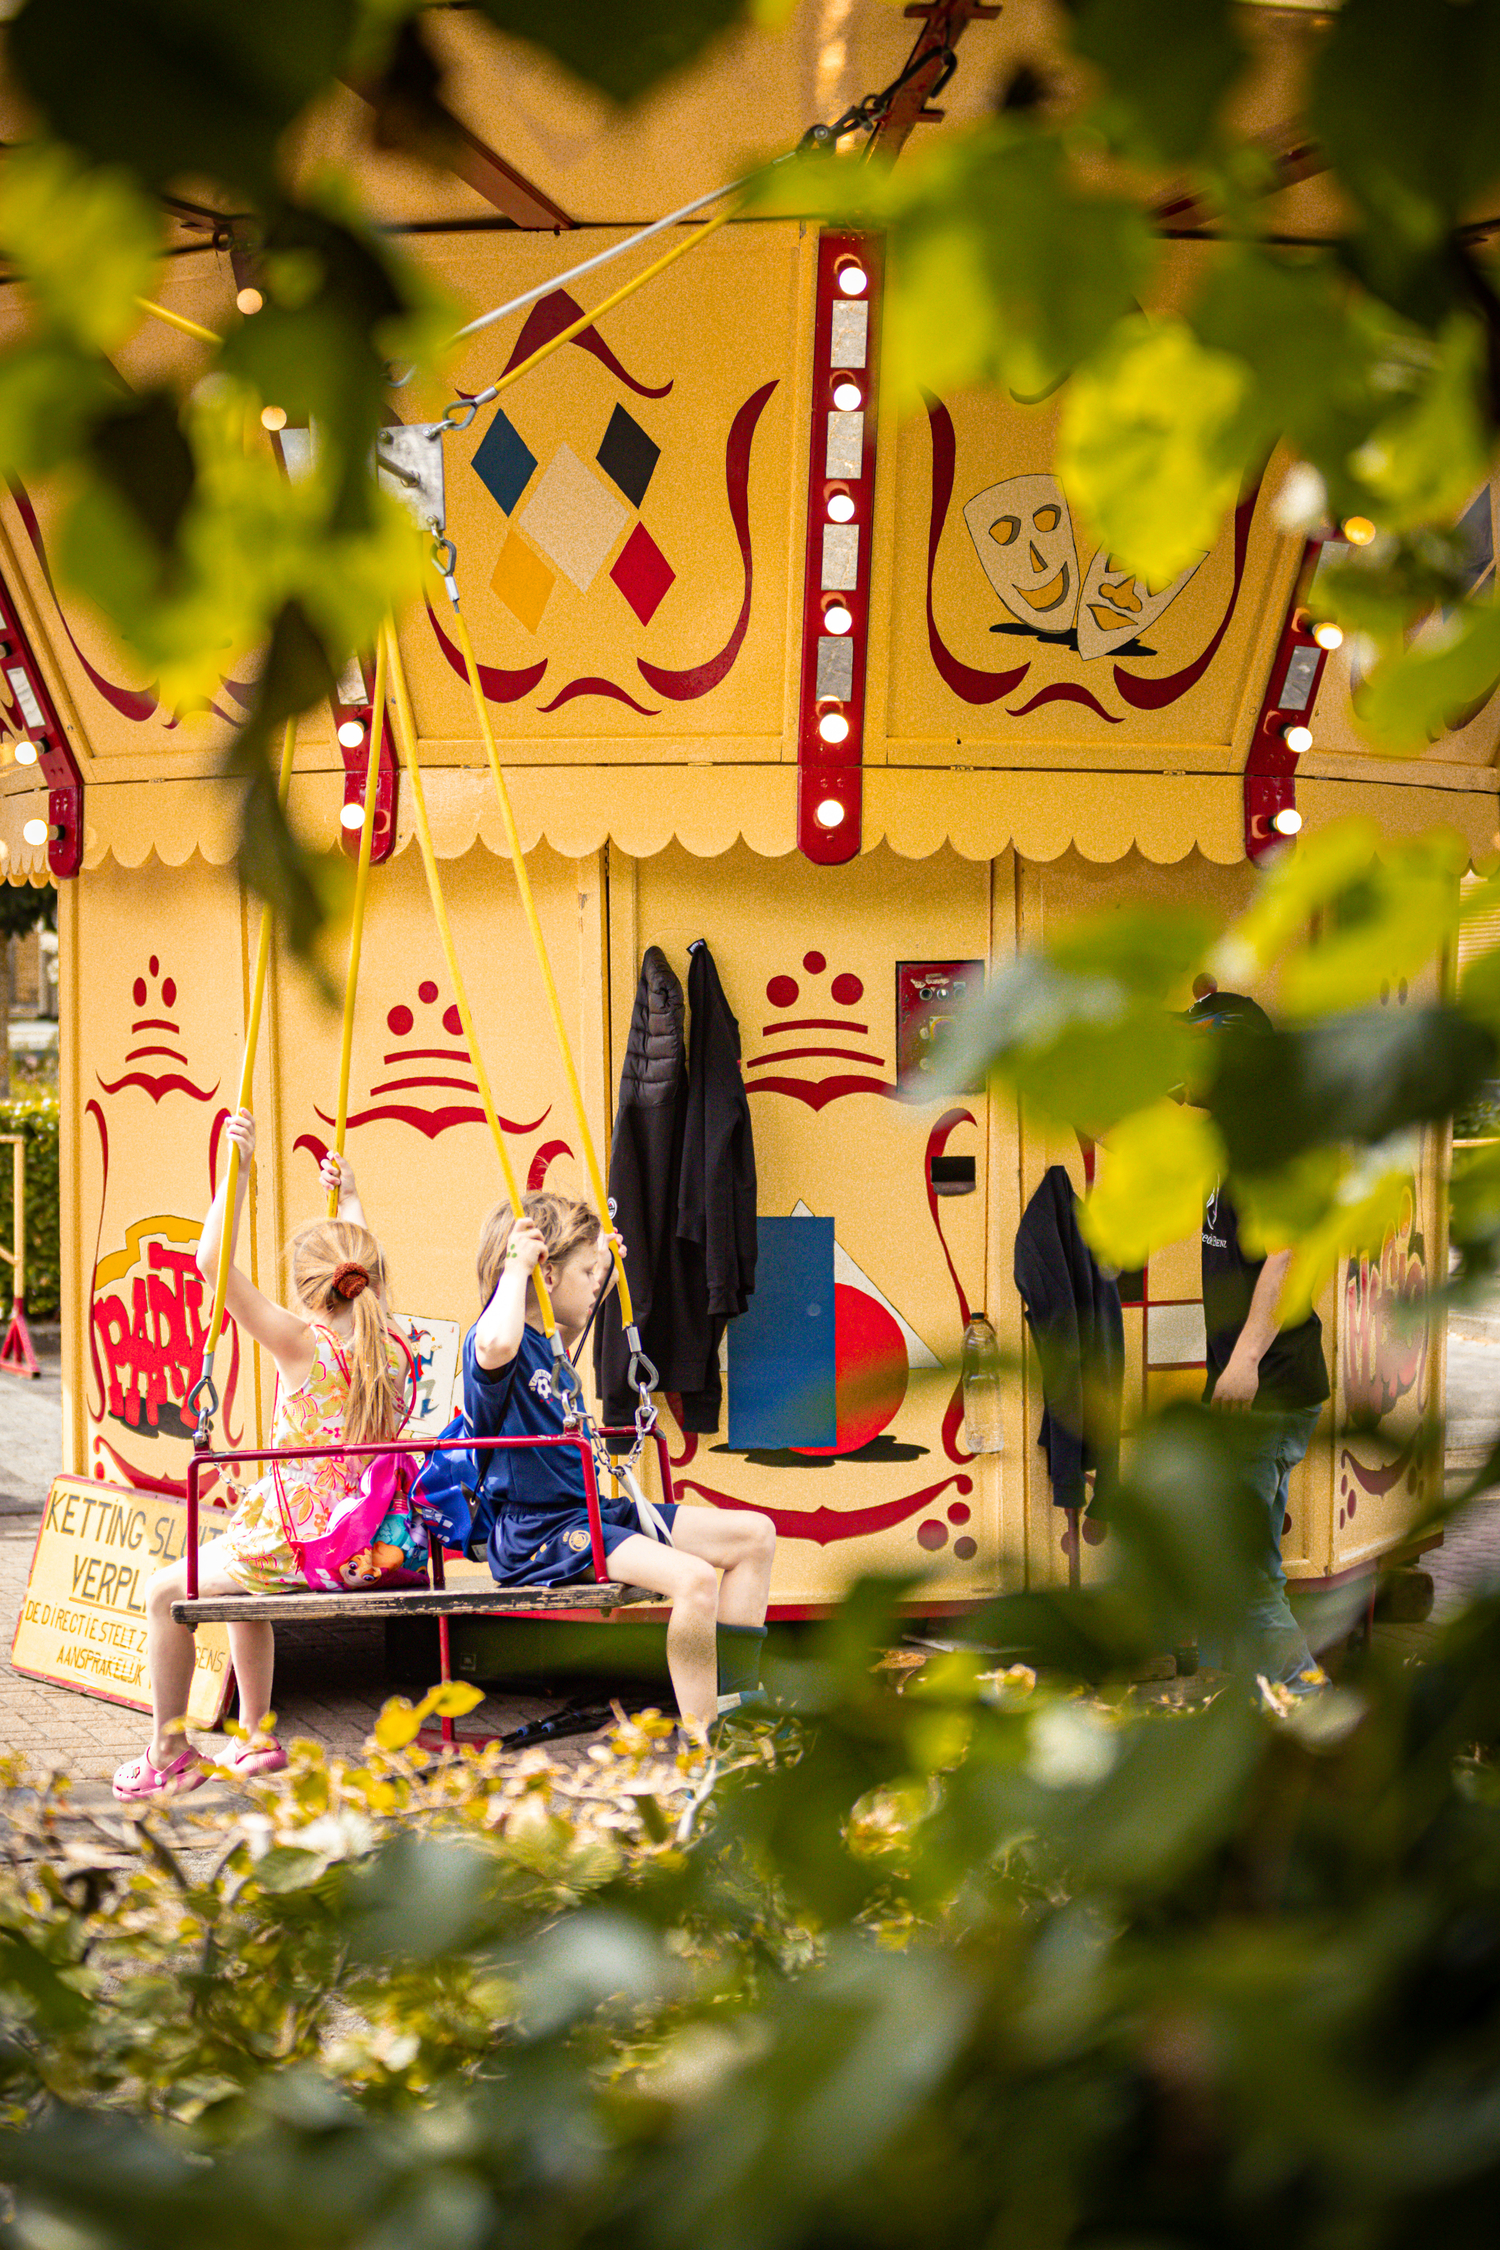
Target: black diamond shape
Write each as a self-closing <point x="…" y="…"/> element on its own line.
<point x="628" y="456"/>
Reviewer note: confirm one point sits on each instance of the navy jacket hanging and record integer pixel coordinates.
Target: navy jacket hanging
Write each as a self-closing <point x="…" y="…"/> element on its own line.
<point x="1073" y="1312"/>
<point x="682" y="1188"/>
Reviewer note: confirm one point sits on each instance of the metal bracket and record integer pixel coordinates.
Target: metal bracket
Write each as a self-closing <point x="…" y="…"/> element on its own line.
<point x="409" y="461"/>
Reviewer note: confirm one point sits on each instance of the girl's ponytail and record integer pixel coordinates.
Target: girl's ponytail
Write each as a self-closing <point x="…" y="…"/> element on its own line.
<point x="337" y="1265"/>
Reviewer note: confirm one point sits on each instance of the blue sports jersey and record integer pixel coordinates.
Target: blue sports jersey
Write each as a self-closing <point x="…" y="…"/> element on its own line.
<point x="541" y="1534"/>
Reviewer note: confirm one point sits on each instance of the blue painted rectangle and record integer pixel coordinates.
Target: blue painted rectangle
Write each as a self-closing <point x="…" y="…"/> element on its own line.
<point x="504" y="461"/>
<point x="782" y="1388"/>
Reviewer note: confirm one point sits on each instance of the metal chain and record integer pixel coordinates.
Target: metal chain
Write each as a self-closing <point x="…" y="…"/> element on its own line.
<point x="866" y="115"/>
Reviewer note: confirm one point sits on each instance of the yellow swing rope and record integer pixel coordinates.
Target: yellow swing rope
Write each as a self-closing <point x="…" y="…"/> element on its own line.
<point x="247" y="1077"/>
<point x="361" y="892"/>
<point x="586" y="320"/>
<point x="406" y="736"/>
<point x="539" y="947"/>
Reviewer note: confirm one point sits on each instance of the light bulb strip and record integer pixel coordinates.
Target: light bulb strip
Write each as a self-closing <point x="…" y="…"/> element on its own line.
<point x="26" y="704"/>
<point x="837" y="571"/>
<point x="1285" y="729"/>
<point x="355" y="754"/>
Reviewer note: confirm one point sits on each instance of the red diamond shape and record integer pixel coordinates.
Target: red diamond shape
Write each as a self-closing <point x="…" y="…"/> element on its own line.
<point x="642" y="573"/>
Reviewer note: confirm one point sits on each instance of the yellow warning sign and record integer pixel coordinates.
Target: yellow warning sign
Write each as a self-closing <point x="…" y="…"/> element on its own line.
<point x="83" y="1621"/>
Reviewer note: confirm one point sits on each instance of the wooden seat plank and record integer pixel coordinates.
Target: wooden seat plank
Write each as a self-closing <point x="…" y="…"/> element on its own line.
<point x="415" y="1601"/>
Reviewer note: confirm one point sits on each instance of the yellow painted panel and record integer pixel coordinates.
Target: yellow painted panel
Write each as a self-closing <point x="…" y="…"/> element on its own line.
<point x="795" y="945"/>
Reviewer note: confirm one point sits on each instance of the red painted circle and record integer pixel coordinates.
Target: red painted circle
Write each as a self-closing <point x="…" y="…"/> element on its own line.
<point x="814" y="964"/>
<point x="169" y="994"/>
<point x="453" y="1022"/>
<point x="782" y="992"/>
<point x="138" y="992"/>
<point x="153" y="966"/>
<point x="870" y="1364"/>
<point x="965" y="1549"/>
<point x="427" y="992"/>
<point x="958" y="1513"/>
<point x="932" y="1534"/>
<point x="847" y="990"/>
<point x="400" y="1021"/>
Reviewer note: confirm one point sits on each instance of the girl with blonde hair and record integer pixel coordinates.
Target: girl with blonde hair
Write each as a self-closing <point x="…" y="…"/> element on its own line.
<point x="342" y="1375"/>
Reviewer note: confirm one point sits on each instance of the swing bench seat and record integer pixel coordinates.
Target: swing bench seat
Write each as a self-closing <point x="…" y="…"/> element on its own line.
<point x="438" y="1600"/>
<point x="412" y="1601"/>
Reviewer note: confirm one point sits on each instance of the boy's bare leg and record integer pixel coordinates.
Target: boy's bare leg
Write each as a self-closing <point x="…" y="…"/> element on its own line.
<point x="740" y="1542"/>
<point x="691" y="1584"/>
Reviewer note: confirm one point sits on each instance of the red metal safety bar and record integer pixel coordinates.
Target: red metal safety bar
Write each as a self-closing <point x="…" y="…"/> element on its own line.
<point x="367" y="1451"/>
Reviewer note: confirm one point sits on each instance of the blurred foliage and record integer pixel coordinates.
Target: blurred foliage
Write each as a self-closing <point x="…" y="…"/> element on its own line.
<point x="34" y="1116"/>
<point x="959" y="1953"/>
<point x="1023" y="251"/>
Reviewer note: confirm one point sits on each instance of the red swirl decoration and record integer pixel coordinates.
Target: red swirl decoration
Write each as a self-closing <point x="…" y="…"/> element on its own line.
<point x="131" y="703"/>
<point x="499" y="686"/>
<point x="1064" y="691"/>
<point x="683" y="687"/>
<point x="597" y="687"/>
<point x="964" y="679"/>
<point x="549" y="317"/>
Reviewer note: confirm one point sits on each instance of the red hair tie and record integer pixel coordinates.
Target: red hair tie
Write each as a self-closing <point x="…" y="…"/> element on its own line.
<point x="349" y="1280"/>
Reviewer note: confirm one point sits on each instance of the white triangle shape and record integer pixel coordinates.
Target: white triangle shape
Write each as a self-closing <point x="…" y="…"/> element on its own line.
<point x="845" y="1270"/>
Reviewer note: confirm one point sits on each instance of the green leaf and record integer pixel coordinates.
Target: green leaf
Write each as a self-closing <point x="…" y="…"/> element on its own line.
<point x="180" y="89"/>
<point x="1424" y="459"/>
<point x="1168" y="64"/>
<point x="48" y="395"/>
<point x="87" y="241"/>
<point x="1411" y="697"/>
<point x="1327" y="1206"/>
<point x="1158" y="1170"/>
<point x="1390" y="922"/>
<point x="1352" y="1078"/>
<point x="1148" y="446"/>
<point x="624" y="49"/>
<point x="140" y="450"/>
<point x="399" y="1724"/>
<point x="455" y="1699"/>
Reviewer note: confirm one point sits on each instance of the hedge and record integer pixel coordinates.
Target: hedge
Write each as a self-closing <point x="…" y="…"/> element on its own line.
<point x="35" y="1115"/>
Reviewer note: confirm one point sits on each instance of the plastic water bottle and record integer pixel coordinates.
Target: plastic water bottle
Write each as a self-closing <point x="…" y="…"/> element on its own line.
<point x="981" y="1380"/>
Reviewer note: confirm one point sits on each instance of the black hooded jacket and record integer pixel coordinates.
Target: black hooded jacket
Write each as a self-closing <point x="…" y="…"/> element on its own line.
<point x="678" y="1173"/>
<point x="1073" y="1312"/>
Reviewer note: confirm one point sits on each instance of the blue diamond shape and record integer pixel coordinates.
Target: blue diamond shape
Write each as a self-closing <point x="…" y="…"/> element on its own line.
<point x="504" y="461"/>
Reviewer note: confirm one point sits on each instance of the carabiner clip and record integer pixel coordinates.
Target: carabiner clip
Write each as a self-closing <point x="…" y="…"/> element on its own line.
<point x="566" y="1388"/>
<point x="203" y="1434"/>
<point x="459" y="413"/>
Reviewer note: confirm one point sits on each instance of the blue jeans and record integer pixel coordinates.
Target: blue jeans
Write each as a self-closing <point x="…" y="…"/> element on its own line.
<point x="1273" y="1444"/>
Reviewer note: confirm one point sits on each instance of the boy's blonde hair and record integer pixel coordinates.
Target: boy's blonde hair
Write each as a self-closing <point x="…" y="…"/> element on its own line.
<point x="564" y="1223"/>
<point x="319" y="1256"/>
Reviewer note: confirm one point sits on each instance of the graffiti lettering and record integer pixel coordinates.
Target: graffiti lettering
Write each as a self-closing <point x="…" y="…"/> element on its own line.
<point x="152" y="1344"/>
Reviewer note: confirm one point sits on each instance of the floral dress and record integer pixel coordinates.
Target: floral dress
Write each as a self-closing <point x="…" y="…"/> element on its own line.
<point x="293" y="1502"/>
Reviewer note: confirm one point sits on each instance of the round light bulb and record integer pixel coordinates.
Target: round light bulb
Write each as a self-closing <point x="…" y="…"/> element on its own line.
<point x="853" y="280"/>
<point x="837" y="619"/>
<point x="35" y="832"/>
<point x="249" y="300"/>
<point x="1287" y="823"/>
<point x="1329" y="636"/>
<point x="847" y="396"/>
<point x="1297" y="739"/>
<point x="351" y="733"/>
<point x="833" y="727"/>
<point x="840" y="507"/>
<point x="352" y="816"/>
<point x="273" y="417"/>
<point x="1358" y="530"/>
<point x="829" y="814"/>
<point x="27" y="752"/>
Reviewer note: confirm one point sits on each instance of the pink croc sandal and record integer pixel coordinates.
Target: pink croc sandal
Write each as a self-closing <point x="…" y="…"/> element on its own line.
<point x="139" y="1778"/>
<point x="262" y="1754"/>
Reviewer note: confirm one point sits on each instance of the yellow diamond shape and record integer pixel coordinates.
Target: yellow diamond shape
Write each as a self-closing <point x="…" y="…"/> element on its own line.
<point x="523" y="581"/>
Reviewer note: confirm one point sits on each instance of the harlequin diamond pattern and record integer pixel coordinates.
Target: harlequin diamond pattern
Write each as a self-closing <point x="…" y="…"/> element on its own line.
<point x="642" y="573"/>
<point x="574" y="518"/>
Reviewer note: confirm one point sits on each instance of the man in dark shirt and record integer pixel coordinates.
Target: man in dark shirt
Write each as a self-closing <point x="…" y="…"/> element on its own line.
<point x="1275" y="1377"/>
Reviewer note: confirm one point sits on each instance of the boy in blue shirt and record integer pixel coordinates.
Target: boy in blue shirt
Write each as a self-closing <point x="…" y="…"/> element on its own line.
<point x="541" y="1534"/>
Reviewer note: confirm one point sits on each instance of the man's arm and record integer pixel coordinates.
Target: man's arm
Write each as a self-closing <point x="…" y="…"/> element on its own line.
<point x="1240" y="1380"/>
